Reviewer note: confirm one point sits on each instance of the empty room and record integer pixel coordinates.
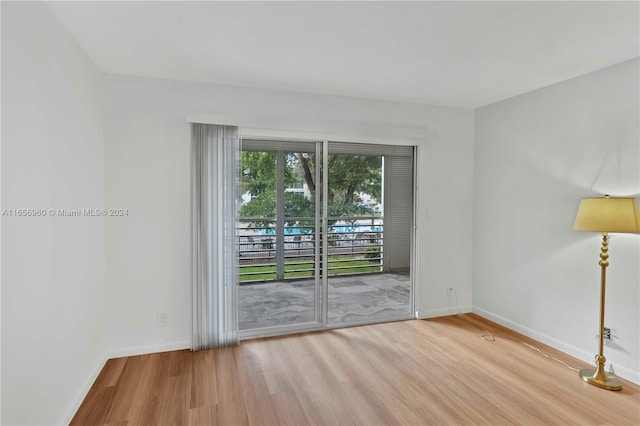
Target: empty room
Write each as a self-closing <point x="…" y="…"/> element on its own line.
<point x="320" y="213"/>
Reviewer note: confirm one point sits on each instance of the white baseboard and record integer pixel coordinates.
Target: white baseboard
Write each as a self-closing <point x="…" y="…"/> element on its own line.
<point x="82" y="394"/>
<point x="150" y="349"/>
<point x="621" y="371"/>
<point x="443" y="312"/>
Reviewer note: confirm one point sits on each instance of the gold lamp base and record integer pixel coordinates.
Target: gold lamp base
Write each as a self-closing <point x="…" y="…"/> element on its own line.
<point x="597" y="377"/>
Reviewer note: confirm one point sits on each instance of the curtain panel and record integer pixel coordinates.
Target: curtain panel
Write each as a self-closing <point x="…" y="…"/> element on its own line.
<point x="215" y="178"/>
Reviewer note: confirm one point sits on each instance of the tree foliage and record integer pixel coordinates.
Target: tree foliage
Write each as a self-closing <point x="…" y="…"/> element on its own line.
<point x="348" y="174"/>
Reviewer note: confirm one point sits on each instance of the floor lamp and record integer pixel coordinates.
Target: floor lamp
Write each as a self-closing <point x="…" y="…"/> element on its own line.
<point x="605" y="215"/>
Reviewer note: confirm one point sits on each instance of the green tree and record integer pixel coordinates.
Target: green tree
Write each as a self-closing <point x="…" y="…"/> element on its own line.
<point x="258" y="171"/>
<point x="349" y="175"/>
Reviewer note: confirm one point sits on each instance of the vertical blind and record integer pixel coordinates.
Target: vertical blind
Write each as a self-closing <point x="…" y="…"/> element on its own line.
<point x="215" y="171"/>
<point x="398" y="212"/>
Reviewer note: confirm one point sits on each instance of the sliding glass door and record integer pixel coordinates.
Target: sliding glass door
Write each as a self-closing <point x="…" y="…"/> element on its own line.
<point x="325" y="235"/>
<point x="370" y="228"/>
<point x="278" y="236"/>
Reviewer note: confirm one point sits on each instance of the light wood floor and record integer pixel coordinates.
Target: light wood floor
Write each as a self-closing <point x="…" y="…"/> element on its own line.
<point x="436" y="371"/>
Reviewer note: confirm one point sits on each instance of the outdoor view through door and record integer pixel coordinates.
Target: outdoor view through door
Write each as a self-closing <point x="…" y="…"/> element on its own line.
<point x="325" y="234"/>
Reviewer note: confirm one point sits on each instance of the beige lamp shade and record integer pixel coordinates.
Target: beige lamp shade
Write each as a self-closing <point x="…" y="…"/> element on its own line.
<point x="608" y="214"/>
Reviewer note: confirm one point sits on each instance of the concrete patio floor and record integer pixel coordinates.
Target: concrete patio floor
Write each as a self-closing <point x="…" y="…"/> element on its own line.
<point x="352" y="299"/>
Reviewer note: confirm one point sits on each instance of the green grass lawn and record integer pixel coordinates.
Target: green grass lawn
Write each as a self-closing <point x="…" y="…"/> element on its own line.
<point x="294" y="270"/>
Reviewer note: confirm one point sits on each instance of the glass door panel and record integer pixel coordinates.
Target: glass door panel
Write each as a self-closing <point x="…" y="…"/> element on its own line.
<point x="277" y="238"/>
<point x="367" y="224"/>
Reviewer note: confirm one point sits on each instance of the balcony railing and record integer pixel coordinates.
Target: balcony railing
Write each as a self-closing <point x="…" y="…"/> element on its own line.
<point x="354" y="246"/>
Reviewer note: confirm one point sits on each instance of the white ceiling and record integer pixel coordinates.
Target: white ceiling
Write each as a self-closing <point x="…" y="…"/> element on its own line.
<point x="463" y="54"/>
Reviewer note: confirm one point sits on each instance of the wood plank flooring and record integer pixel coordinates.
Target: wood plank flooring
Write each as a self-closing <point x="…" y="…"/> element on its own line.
<point x="437" y="372"/>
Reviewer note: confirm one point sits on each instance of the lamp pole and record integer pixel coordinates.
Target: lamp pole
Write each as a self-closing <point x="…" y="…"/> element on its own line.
<point x="598" y="377"/>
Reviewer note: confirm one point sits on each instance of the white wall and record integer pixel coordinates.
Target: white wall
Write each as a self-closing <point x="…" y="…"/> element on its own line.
<point x="52" y="267"/>
<point x="147" y="163"/>
<point x="536" y="156"/>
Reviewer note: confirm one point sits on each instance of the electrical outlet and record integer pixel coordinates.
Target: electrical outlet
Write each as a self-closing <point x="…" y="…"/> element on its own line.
<point x="163" y="319"/>
<point x="607" y="334"/>
<point x="450" y="291"/>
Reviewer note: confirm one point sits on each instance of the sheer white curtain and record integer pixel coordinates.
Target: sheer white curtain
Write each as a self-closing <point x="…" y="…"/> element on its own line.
<point x="215" y="171"/>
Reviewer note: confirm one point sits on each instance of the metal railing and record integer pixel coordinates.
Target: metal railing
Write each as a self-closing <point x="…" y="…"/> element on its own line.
<point x="354" y="245"/>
